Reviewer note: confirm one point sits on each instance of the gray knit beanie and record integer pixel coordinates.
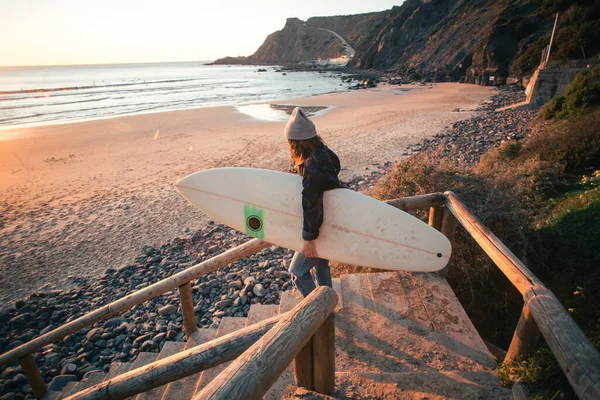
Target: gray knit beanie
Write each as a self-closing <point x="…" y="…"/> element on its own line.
<point x="299" y="127"/>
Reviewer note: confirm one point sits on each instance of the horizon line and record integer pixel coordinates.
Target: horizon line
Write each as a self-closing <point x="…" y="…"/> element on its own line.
<point x="108" y="63"/>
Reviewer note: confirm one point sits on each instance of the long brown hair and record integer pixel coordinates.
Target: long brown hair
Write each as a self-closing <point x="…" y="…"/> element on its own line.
<point x="301" y="150"/>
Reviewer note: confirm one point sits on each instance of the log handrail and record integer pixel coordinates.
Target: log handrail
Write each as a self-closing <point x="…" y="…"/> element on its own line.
<point x="520" y="276"/>
<point x="180" y="365"/>
<point x="252" y="374"/>
<point x="418" y="202"/>
<point x="135" y="298"/>
<point x="577" y="357"/>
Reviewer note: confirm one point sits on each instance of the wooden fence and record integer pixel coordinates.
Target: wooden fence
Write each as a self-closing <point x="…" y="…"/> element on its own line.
<point x="542" y="315"/>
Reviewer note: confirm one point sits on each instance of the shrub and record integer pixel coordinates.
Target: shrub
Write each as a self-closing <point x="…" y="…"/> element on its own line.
<point x="580" y="97"/>
<point x="574" y="146"/>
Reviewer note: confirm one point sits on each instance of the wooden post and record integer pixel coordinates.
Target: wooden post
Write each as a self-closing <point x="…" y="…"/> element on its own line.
<point x="187" y="309"/>
<point x="303" y="367"/>
<point x="253" y="373"/>
<point x="449" y="230"/>
<point x="435" y="217"/>
<point x="526" y="336"/>
<point x="33" y="375"/>
<point x="324" y="357"/>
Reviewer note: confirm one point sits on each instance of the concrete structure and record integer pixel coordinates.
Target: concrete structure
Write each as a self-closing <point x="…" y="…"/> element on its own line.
<point x="547" y="83"/>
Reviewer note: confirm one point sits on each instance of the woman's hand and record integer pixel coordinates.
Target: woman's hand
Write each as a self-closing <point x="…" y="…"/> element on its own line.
<point x="309" y="249"/>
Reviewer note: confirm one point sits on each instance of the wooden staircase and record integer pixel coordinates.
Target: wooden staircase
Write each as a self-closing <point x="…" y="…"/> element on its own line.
<point x="398" y="336"/>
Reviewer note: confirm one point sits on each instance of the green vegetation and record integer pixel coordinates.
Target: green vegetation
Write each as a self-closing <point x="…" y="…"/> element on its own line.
<point x="541" y="197"/>
<point x="582" y="95"/>
<point x="577" y="36"/>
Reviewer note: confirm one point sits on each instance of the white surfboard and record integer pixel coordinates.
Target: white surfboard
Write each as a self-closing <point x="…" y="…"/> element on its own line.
<point x="357" y="229"/>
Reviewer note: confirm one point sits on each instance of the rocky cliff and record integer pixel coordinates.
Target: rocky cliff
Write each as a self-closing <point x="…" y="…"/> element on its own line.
<point x="457" y="39"/>
<point x="302" y="41"/>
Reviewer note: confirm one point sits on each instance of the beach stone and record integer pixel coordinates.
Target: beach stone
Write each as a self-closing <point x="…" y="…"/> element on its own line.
<point x="167" y="310"/>
<point x="21" y="320"/>
<point x="224" y="303"/>
<point x="171" y="335"/>
<point x="141" y="339"/>
<point x="94" y="334"/>
<point x="53" y="360"/>
<point x="259" y="290"/>
<point x="159" y="338"/>
<point x="68" y="369"/>
<point x="237" y="284"/>
<point x="147" y="345"/>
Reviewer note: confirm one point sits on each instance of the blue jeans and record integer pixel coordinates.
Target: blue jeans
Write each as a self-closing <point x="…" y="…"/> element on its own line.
<point x="300" y="268"/>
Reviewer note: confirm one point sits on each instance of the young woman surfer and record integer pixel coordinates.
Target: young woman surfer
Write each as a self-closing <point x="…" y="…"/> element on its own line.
<point x="319" y="167"/>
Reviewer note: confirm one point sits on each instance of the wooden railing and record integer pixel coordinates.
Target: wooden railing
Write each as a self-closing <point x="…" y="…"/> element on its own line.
<point x="542" y="315"/>
<point x="252" y="374"/>
<point x="180" y="365"/>
<point x="179" y="280"/>
<point x="542" y="312"/>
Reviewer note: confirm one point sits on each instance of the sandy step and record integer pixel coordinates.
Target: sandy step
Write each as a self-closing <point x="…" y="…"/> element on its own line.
<point x="117" y="368"/>
<point x="227" y="325"/>
<point x="68" y="389"/>
<point x="260" y="312"/>
<point x="184" y="388"/>
<point x="89" y="379"/>
<point x="51" y="395"/>
<point x="288" y="300"/>
<point x="464" y="385"/>
<point x="168" y="349"/>
<point x="142" y="359"/>
<point x="336" y="284"/>
<point x="403" y="322"/>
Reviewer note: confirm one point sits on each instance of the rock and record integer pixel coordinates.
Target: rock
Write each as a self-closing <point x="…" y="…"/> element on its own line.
<point x="53" y="360"/>
<point x="224" y="303"/>
<point x="167" y="310"/>
<point x="259" y="290"/>
<point x="147" y="345"/>
<point x="94" y="334"/>
<point x="281" y="274"/>
<point x="21" y="320"/>
<point x="143" y="338"/>
<point x="68" y="369"/>
<point x="237" y="284"/>
<point x="159" y="338"/>
<point x="171" y="335"/>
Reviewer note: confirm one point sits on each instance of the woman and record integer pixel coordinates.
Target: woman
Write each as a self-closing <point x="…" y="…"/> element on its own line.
<point x="319" y="167"/>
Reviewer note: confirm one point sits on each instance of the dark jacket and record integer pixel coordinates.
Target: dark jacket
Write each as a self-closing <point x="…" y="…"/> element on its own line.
<point x="319" y="173"/>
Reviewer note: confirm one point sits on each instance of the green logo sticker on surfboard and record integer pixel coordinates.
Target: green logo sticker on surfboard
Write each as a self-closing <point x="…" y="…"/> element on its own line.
<point x="254" y="221"/>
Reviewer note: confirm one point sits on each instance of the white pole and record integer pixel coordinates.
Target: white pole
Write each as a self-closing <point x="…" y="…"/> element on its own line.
<point x="551" y="39"/>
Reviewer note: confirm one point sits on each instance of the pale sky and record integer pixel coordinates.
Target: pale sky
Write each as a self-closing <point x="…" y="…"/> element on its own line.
<point x="55" y="32"/>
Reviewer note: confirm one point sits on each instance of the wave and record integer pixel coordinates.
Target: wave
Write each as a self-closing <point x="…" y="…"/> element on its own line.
<point x="125" y="91"/>
<point x="61" y="89"/>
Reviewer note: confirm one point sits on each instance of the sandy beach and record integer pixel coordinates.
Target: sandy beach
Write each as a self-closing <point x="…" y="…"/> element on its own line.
<point x="79" y="198"/>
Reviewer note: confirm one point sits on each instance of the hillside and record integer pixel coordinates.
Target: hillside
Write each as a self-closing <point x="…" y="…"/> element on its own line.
<point x="456" y="38"/>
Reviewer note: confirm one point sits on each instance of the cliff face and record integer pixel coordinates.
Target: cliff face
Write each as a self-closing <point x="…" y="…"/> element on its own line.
<point x="465" y="36"/>
<point x="456" y="38"/>
<point x="297" y="42"/>
<point x="300" y="41"/>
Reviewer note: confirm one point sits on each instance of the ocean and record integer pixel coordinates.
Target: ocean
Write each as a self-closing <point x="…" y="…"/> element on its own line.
<point x="31" y="96"/>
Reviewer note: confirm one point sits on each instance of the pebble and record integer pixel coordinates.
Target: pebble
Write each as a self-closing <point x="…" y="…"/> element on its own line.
<point x="167" y="310"/>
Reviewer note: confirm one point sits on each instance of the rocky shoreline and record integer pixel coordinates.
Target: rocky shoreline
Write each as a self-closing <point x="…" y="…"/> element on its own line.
<point x="228" y="292"/>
